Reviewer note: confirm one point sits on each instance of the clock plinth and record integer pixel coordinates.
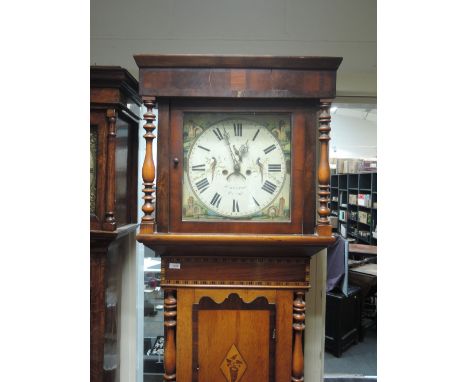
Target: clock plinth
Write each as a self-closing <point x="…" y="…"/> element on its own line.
<point x="242" y="195"/>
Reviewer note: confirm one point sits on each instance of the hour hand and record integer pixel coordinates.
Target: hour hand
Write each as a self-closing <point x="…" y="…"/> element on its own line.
<point x="260" y="166"/>
<point x="213" y="167"/>
<point x="237" y="153"/>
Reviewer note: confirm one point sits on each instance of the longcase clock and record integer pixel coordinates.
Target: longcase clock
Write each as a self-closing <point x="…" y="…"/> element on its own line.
<point x="114" y="121"/>
<point x="239" y="206"/>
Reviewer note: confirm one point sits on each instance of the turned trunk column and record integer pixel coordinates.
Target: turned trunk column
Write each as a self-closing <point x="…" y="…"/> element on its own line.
<point x="298" y="331"/>
<point x="109" y="220"/>
<point x="170" y="323"/>
<point x="148" y="171"/>
<point x="323" y="226"/>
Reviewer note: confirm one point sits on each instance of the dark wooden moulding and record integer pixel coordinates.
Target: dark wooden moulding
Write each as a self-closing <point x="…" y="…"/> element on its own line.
<point x="114" y="116"/>
<point x="203" y="261"/>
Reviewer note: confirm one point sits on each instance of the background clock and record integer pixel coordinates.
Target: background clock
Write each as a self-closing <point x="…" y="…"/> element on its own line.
<point x="114" y="121"/>
<point x="236" y="166"/>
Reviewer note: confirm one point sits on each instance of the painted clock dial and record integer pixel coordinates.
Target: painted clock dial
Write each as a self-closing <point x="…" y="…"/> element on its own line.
<point x="236" y="166"/>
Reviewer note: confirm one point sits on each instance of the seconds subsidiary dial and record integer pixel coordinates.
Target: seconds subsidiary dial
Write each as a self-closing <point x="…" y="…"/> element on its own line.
<point x="236" y="167"/>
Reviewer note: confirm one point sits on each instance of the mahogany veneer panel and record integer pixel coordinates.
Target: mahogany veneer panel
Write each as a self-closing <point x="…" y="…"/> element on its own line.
<point x="237" y="271"/>
<point x="237" y="83"/>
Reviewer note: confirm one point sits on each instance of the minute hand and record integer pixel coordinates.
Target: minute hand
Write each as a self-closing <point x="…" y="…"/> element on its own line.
<point x="235" y="162"/>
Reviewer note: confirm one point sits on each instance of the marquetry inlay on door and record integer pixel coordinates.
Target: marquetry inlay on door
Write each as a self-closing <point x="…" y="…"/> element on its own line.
<point x="233" y="366"/>
<point x="222" y="352"/>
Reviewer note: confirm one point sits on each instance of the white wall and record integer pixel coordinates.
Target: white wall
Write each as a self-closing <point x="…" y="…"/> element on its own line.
<point x="314" y="335"/>
<point x="353" y="137"/>
<point x="122" y="28"/>
<point x="130" y="317"/>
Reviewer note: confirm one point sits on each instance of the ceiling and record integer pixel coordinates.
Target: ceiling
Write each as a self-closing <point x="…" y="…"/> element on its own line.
<point x="120" y="28"/>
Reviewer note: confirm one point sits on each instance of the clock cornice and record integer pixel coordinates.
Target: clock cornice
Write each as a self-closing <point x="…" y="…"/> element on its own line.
<point x="237" y="61"/>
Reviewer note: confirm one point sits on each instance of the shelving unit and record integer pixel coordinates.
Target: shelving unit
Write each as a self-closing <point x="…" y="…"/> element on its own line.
<point x="354" y="202"/>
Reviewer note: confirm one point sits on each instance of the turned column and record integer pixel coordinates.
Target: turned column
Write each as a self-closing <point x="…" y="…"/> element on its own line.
<point x="323" y="224"/>
<point x="109" y="223"/>
<point x="148" y="171"/>
<point x="170" y="323"/>
<point x="298" y="331"/>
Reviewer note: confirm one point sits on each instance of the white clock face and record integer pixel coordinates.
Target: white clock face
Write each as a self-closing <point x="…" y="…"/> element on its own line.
<point x="236" y="167"/>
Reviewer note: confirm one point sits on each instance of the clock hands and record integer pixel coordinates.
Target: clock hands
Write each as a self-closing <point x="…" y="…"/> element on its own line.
<point x="213" y="167"/>
<point x="234" y="160"/>
<point x="237" y="153"/>
<point x="260" y="166"/>
<point x="226" y="139"/>
<point x="242" y="150"/>
<point x="236" y="172"/>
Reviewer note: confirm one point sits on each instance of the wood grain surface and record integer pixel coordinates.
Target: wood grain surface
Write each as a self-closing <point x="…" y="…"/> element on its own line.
<point x="282" y="300"/>
<point x="247" y="326"/>
<point x="236" y="61"/>
<point x="237" y="83"/>
<point x="235" y="272"/>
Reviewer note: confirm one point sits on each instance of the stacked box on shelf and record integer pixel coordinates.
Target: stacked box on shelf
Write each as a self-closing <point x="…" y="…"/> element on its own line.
<point x="364" y="200"/>
<point x="343" y="215"/>
<point x="353" y="166"/>
<point x="368" y="166"/>
<point x="363" y="217"/>
<point x="339" y="166"/>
